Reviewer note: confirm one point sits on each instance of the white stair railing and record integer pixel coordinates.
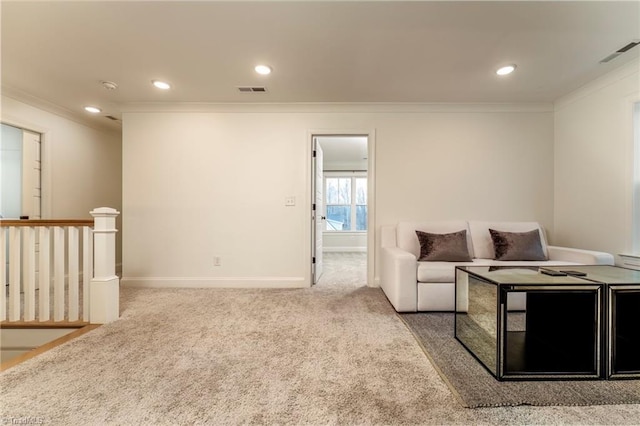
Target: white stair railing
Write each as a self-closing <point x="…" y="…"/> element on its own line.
<point x="47" y="270"/>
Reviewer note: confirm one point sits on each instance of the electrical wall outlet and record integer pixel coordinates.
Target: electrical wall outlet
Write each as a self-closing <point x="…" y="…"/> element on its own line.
<point x="217" y="261"/>
<point x="290" y="201"/>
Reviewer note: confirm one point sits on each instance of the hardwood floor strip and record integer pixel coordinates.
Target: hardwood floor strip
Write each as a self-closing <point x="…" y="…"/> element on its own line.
<point x="43" y="324"/>
<point x="47" y="346"/>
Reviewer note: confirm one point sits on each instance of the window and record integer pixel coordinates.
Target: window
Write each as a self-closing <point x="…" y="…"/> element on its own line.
<point x="346" y="202"/>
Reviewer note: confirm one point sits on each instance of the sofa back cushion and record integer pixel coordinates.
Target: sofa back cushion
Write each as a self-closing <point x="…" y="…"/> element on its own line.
<point x="451" y="247"/>
<point x="517" y="245"/>
<point x="408" y="240"/>
<point x="483" y="244"/>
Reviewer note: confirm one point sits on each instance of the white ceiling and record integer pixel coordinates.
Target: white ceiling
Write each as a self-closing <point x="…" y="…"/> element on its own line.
<point x="344" y="152"/>
<point x="383" y="51"/>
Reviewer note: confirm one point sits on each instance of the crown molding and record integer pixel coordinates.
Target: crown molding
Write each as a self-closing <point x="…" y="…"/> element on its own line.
<point x="43" y="104"/>
<point x="612" y="77"/>
<point x="400" y="108"/>
<point x="290" y="107"/>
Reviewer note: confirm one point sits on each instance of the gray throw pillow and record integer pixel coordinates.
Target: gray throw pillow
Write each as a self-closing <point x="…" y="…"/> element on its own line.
<point x="517" y="245"/>
<point x="444" y="247"/>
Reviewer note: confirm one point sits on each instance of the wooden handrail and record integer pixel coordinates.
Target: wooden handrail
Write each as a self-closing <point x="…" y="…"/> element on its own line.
<point x="72" y="261"/>
<point x="45" y="222"/>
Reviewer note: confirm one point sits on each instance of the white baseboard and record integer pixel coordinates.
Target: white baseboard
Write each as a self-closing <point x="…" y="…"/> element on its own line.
<point x="214" y="282"/>
<point x="344" y="249"/>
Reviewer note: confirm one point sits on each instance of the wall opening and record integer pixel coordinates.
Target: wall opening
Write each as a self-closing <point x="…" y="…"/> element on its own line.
<point x="20" y="173"/>
<point x="341" y="216"/>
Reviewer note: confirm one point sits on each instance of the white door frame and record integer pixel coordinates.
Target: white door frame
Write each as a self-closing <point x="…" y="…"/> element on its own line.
<point x="371" y="179"/>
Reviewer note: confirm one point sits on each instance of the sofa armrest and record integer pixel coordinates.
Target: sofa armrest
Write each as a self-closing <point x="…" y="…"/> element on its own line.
<point x="585" y="257"/>
<point x="399" y="278"/>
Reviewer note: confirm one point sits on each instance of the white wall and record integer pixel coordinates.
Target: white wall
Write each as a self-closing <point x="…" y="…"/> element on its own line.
<point x="82" y="166"/>
<point x="344" y="242"/>
<point x="345" y="165"/>
<point x="467" y="165"/>
<point x="204" y="184"/>
<point x="593" y="163"/>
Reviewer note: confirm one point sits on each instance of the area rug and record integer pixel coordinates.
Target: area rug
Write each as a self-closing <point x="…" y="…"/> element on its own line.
<point x="475" y="387"/>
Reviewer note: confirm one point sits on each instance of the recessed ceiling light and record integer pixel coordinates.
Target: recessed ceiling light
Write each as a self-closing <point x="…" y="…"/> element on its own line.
<point x="161" y="84"/>
<point x="506" y="70"/>
<point x="263" y="69"/>
<point x="92" y="109"/>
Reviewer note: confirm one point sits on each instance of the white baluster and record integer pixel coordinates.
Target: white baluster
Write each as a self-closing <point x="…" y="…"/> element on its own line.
<point x="44" y="275"/>
<point x="87" y="269"/>
<point x="14" y="273"/>
<point x="29" y="272"/>
<point x="3" y="274"/>
<point x="105" y="285"/>
<point x="58" y="273"/>
<point x="73" y="251"/>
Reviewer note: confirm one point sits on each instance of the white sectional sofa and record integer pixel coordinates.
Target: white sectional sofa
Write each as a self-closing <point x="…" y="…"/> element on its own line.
<point x="412" y="285"/>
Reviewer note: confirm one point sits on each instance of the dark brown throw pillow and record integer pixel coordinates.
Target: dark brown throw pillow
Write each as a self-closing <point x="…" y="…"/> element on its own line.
<point x="444" y="247"/>
<point x="517" y="245"/>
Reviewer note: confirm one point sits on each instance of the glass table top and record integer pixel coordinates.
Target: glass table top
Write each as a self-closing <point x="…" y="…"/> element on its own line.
<point x="525" y="275"/>
<point x="604" y="273"/>
<point x="533" y="275"/>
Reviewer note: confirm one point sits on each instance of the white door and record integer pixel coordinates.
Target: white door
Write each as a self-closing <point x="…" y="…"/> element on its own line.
<point x="318" y="211"/>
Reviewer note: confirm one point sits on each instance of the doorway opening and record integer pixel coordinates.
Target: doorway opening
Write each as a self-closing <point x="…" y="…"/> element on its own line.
<point x="20" y="180"/>
<point x="20" y="173"/>
<point x="340" y="210"/>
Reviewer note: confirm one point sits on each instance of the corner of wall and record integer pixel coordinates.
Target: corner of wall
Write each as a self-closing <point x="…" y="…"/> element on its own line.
<point x="600" y="83"/>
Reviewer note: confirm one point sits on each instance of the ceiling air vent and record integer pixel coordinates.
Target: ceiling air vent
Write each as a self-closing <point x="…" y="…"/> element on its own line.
<point x="111" y="117"/>
<point x="620" y="51"/>
<point x="249" y="89"/>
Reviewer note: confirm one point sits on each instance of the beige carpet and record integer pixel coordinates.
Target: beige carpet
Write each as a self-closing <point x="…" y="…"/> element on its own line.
<point x="332" y="354"/>
<point x="478" y="388"/>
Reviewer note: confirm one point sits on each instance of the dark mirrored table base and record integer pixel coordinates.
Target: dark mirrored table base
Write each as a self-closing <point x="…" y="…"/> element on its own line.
<point x="564" y="327"/>
<point x="561" y="337"/>
<point x="625" y="334"/>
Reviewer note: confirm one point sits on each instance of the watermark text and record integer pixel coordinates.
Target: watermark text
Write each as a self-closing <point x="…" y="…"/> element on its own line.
<point x="26" y="420"/>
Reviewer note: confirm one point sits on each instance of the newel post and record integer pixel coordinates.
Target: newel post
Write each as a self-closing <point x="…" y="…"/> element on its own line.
<point x="104" y="294"/>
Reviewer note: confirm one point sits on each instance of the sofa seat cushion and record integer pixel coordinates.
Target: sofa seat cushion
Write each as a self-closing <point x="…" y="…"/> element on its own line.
<point x="444" y="272"/>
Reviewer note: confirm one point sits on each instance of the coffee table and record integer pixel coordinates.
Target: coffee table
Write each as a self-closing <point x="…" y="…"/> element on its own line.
<point x="522" y="324"/>
<point x="622" y="322"/>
